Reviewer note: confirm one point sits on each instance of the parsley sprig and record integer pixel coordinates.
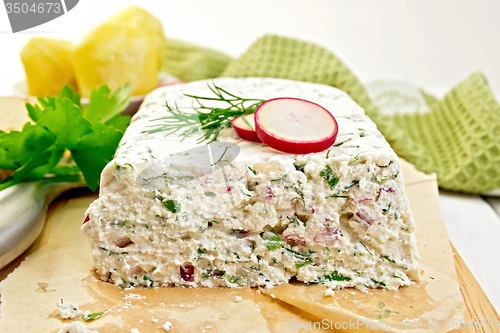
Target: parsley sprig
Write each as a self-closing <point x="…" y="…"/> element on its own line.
<point x="209" y="119"/>
<point x="66" y="139"/>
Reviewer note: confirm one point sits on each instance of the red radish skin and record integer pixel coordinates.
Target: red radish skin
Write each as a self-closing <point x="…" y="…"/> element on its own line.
<point x="244" y="131"/>
<point x="295" y="126"/>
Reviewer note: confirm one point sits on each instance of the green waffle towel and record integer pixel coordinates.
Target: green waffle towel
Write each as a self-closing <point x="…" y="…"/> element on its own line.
<point x="458" y="137"/>
<point x="190" y="62"/>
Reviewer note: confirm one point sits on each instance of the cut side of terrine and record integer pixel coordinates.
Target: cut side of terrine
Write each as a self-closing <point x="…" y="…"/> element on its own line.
<point x="235" y="212"/>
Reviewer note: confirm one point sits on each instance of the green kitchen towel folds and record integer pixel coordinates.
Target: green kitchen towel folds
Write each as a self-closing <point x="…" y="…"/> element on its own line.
<point x="458" y="137"/>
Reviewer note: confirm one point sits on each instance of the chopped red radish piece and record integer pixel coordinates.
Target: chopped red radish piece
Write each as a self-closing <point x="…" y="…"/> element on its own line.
<point x="293" y="237"/>
<point x="187" y="273"/>
<point x="327" y="237"/>
<point x="87" y="218"/>
<point x="245" y="127"/>
<point x="295" y="126"/>
<point x="363" y="215"/>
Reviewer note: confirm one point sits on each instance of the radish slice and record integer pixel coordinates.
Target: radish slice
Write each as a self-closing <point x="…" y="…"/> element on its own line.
<point x="243" y="129"/>
<point x="295" y="126"/>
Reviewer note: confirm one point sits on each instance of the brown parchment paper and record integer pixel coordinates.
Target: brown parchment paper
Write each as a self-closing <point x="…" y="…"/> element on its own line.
<point x="59" y="266"/>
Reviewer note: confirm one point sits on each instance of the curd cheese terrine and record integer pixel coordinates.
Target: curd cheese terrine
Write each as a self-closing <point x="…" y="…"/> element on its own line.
<point x="235" y="212"/>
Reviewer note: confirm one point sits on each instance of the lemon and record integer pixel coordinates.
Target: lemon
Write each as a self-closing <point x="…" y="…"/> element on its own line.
<point x="48" y="65"/>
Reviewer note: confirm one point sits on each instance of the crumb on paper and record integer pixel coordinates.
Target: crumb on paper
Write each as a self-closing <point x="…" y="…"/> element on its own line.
<point x="208" y="327"/>
<point x="68" y="310"/>
<point x="272" y="295"/>
<point x="154" y="320"/>
<point x="238" y="298"/>
<point x="329" y="292"/>
<point x="353" y="293"/>
<point x="222" y="318"/>
<point x="75" y="327"/>
<point x="167" y="326"/>
<point x="182" y="306"/>
<point x="134" y="330"/>
<point x="133" y="296"/>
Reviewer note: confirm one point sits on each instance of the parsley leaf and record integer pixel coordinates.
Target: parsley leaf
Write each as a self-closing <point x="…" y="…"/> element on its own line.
<point x="103" y="107"/>
<point x="63" y="126"/>
<point x="95" y="150"/>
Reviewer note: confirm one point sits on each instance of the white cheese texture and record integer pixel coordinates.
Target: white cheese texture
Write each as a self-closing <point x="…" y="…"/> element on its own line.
<point x="68" y="310"/>
<point x="167" y="326"/>
<point x="75" y="327"/>
<point x="174" y="212"/>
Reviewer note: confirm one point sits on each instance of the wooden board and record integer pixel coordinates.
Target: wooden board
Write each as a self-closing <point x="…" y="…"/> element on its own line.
<point x="478" y="305"/>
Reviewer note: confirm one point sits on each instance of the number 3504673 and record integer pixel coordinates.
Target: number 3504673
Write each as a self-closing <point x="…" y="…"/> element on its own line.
<point x="23" y="7"/>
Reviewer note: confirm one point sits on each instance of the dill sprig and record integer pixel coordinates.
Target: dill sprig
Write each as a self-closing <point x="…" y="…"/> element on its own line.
<point x="209" y="119"/>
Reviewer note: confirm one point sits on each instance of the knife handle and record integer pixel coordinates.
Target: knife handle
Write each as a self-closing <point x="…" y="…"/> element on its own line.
<point x="23" y="209"/>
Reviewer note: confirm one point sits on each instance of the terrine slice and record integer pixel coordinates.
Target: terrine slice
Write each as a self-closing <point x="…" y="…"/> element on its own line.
<point x="172" y="211"/>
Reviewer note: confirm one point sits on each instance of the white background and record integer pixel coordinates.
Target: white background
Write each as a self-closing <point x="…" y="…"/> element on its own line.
<point x="433" y="44"/>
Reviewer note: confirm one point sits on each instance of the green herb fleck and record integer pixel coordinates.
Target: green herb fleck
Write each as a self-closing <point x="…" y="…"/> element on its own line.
<point x="92" y="316"/>
<point x="354" y="183"/>
<point x="124" y="224"/>
<point x="365" y="247"/>
<point x="278" y="179"/>
<point x="301" y="195"/>
<point x="300" y="168"/>
<point x="387" y="258"/>
<point x="272" y="240"/>
<point x="379" y="282"/>
<point x="234" y="279"/>
<point x="210" y="220"/>
<point x="304" y="258"/>
<point x="254" y="172"/>
<point x="337" y="196"/>
<point x="296" y="221"/>
<point x="341" y="143"/>
<point x="173" y="205"/>
<point x="331" y="179"/>
<point x="110" y="252"/>
<point x="386" y="210"/>
<point x="335" y="276"/>
<point x="149" y="282"/>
